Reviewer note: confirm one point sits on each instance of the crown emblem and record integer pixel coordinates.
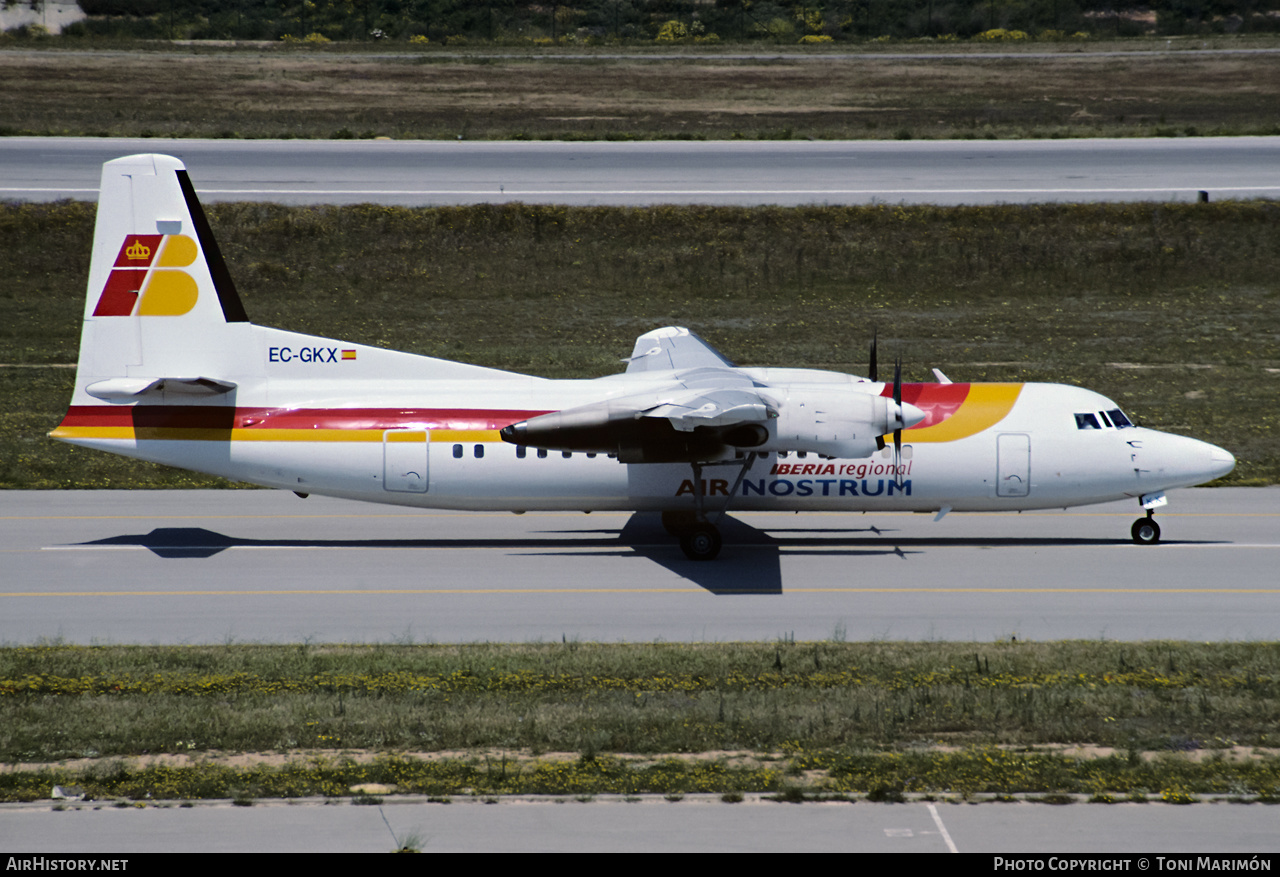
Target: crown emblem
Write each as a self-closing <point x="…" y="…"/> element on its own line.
<point x="138" y="250"/>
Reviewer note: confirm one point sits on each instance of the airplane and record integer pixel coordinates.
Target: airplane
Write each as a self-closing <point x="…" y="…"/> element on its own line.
<point x="172" y="371"/>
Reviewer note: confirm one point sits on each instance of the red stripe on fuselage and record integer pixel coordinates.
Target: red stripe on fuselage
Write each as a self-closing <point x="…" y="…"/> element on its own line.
<point x="224" y="417"/>
<point x="937" y="401"/>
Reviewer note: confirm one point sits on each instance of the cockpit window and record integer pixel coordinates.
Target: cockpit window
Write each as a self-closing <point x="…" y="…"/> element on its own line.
<point x="1113" y="419"/>
<point x="1118" y="418"/>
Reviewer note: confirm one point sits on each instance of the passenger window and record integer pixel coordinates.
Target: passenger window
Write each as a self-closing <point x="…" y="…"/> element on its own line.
<point x="521" y="450"/>
<point x="566" y="454"/>
<point x="591" y="455"/>
<point x="1087" y="421"/>
<point x="457" y="452"/>
<point x="479" y="451"/>
<point x="542" y="453"/>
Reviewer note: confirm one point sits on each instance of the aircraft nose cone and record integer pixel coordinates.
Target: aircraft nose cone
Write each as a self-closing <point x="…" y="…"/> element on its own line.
<point x="1167" y="461"/>
<point x="911" y="415"/>
<point x="1221" y="461"/>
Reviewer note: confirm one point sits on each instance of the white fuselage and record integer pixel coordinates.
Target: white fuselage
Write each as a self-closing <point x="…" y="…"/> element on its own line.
<point x="433" y="443"/>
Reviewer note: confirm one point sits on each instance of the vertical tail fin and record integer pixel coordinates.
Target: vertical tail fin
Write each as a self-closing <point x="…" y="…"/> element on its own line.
<point x="160" y="300"/>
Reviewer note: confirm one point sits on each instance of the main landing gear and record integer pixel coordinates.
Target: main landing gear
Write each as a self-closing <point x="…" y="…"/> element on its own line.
<point x="1145" y="531"/>
<point x="701" y="542"/>
<point x="699" y="537"/>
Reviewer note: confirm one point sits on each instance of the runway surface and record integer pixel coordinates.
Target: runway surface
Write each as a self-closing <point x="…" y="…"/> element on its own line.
<point x="265" y="566"/>
<point x="656" y="172"/>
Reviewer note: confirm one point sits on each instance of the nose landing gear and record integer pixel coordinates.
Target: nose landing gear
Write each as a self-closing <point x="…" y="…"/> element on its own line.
<point x="1145" y="531"/>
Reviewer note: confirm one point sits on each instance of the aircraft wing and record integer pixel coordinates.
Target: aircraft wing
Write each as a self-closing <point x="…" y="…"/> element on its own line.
<point x="673" y="348"/>
<point x="707" y="390"/>
<point x="700" y="408"/>
<point x="686" y="416"/>
<point x="721" y="407"/>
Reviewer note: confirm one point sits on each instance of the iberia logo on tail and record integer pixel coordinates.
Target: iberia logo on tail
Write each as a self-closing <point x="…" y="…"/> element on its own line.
<point x="148" y="278"/>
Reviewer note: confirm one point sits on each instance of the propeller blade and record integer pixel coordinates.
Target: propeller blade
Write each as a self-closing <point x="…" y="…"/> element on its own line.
<point x="897" y="433"/>
<point x="897" y="458"/>
<point x="873" y="371"/>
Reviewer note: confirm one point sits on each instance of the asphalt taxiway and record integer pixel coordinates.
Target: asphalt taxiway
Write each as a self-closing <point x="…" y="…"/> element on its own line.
<point x="434" y="172"/>
<point x="265" y="566"/>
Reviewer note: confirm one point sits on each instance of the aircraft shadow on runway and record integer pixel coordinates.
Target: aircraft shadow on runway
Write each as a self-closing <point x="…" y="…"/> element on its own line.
<point x="756" y="570"/>
<point x="752" y="572"/>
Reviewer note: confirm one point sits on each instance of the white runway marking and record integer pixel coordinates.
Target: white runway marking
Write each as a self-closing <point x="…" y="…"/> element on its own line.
<point x="946" y="836"/>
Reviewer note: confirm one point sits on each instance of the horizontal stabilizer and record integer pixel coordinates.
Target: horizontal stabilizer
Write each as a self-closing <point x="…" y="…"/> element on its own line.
<point x="131" y="389"/>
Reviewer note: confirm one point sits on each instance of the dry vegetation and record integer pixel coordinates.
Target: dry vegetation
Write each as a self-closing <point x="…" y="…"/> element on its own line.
<point x="284" y="93"/>
<point x="880" y="719"/>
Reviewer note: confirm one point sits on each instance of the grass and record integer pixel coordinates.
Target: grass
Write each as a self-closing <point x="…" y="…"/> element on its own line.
<point x="1170" y="309"/>
<point x="941" y="92"/>
<point x="877" y="719"/>
<point x="650" y="699"/>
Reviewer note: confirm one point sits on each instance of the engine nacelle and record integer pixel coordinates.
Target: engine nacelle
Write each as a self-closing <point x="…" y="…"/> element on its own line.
<point x="837" y="422"/>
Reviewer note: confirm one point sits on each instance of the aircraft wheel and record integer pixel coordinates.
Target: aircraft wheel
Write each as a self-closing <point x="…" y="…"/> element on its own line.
<point x="702" y="542"/>
<point x="677" y="523"/>
<point x="1145" y="531"/>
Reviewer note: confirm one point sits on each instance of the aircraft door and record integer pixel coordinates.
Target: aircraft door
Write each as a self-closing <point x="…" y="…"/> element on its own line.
<point x="404" y="460"/>
<point x="1013" y="464"/>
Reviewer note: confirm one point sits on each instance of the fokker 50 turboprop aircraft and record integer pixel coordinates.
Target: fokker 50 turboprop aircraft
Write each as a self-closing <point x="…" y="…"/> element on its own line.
<point x="171" y="370"/>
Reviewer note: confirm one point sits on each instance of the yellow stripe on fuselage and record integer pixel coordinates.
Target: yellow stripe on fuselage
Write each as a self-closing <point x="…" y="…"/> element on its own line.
<point x="984" y="407"/>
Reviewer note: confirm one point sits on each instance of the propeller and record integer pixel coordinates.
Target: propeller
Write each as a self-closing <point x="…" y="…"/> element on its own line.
<point x="873" y="372"/>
